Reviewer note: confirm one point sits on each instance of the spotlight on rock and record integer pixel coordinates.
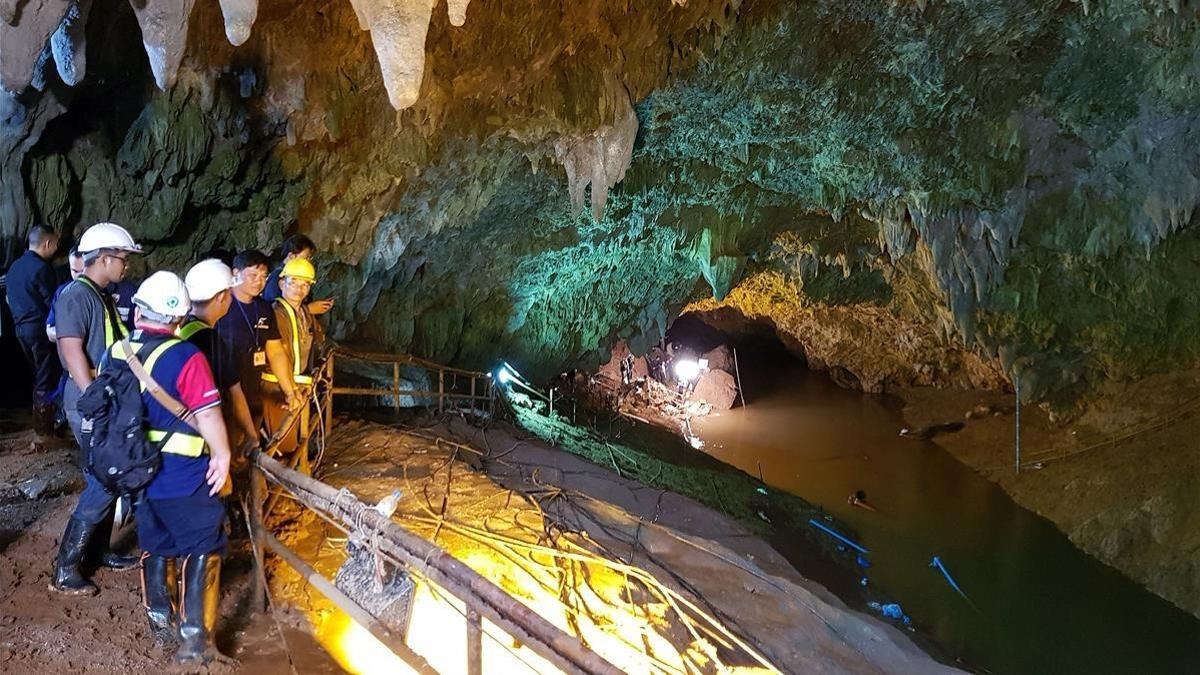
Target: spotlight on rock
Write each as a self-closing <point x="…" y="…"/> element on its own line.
<point x="687" y="370"/>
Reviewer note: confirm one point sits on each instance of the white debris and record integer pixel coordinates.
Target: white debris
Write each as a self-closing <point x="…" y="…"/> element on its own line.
<point x="239" y="19"/>
<point x="599" y="159"/>
<point x="164" y="26"/>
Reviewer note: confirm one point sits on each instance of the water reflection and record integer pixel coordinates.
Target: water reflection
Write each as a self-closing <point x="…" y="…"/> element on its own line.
<point x="1037" y="604"/>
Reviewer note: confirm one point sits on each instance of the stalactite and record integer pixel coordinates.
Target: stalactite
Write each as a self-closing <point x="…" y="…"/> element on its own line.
<point x="164" y="26"/>
<point x="458" y="11"/>
<point x="21" y="46"/>
<point x="69" y="43"/>
<point x="598" y="159"/>
<point x="239" y="19"/>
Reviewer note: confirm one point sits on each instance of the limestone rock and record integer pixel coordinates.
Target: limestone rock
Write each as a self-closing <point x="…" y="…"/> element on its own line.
<point x="458" y="11"/>
<point x="398" y="29"/>
<point x="720" y="358"/>
<point x="716" y="388"/>
<point x="69" y="43"/>
<point x="22" y="45"/>
<point x="164" y="26"/>
<point x="239" y="19"/>
<point x="598" y="159"/>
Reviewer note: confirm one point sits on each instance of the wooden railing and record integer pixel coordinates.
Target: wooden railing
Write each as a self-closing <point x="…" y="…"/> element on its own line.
<point x="481" y="387"/>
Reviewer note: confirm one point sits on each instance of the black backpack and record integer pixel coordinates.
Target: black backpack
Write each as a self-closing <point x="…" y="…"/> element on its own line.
<point x="119" y="455"/>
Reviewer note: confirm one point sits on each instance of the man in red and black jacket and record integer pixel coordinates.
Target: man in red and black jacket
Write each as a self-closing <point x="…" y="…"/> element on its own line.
<point x="181" y="517"/>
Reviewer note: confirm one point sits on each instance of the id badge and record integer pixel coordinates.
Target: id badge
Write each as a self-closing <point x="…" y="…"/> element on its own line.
<point x="260" y="358"/>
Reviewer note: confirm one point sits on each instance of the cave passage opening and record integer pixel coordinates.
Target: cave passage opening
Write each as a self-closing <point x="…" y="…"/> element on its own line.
<point x="1031" y="601"/>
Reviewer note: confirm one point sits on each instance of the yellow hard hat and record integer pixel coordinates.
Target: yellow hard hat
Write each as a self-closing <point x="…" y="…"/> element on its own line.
<point x="299" y="268"/>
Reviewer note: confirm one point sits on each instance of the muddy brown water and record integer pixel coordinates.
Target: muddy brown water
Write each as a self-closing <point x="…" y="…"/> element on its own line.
<point x="1034" y="602"/>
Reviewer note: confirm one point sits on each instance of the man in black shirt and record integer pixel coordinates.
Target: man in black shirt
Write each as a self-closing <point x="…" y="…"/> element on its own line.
<point x="31" y="284"/>
<point x="208" y="283"/>
<point x="295" y="246"/>
<point x="249" y="330"/>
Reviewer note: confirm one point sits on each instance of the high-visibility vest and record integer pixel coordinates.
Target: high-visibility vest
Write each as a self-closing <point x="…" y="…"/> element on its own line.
<point x="114" y="329"/>
<point x="298" y="375"/>
<point x="187" y="330"/>
<point x="171" y="441"/>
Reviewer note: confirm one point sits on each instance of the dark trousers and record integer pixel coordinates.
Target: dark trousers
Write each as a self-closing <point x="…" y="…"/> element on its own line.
<point x="175" y="528"/>
<point x="43" y="357"/>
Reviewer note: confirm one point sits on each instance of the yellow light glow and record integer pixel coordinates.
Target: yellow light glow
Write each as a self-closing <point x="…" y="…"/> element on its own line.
<point x="634" y="637"/>
<point x="355" y="649"/>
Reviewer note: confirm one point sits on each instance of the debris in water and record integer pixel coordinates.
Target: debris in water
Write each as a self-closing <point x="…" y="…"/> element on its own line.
<point x="837" y="535"/>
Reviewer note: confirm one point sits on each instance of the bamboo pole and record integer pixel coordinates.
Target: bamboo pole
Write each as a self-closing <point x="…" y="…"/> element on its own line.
<point x="345" y="603"/>
<point x="396" y="387"/>
<point x="474" y="643"/>
<point x="329" y="396"/>
<point x="441" y="390"/>
<point x="738" y="372"/>
<point x="435" y="564"/>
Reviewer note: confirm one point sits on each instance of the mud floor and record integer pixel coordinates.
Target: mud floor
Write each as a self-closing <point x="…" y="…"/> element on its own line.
<point x="42" y="632"/>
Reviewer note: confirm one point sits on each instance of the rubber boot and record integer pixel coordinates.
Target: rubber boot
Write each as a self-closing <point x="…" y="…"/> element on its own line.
<point x="158" y="596"/>
<point x="103" y="554"/>
<point x="43" y="419"/>
<point x="67" y="578"/>
<point x="198" y="609"/>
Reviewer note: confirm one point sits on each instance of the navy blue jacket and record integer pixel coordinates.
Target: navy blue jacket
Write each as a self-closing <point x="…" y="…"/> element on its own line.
<point x="31" y="283"/>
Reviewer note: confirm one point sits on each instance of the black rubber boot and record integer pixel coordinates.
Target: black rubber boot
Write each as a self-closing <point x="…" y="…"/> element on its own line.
<point x="198" y="609"/>
<point x="103" y="555"/>
<point x="67" y="578"/>
<point x="158" y="595"/>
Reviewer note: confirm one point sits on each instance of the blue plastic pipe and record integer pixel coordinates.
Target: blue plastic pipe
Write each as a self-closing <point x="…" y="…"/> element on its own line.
<point x="836" y="535"/>
<point x="937" y="562"/>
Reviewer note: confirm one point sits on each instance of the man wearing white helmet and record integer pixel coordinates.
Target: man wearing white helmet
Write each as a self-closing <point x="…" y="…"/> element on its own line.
<point x="209" y="283"/>
<point x="180" y="518"/>
<point x="87" y="324"/>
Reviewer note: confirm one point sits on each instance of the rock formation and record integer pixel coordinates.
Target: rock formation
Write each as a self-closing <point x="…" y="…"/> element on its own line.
<point x="898" y="188"/>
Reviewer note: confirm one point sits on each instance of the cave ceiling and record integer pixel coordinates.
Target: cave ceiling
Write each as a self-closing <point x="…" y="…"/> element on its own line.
<point x="936" y="193"/>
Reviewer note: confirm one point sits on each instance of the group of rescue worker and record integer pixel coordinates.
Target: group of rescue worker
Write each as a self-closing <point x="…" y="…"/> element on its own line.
<point x="235" y="344"/>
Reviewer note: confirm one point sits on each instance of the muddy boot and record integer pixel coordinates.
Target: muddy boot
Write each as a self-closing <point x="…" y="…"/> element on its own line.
<point x="104" y="556"/>
<point x="43" y="419"/>
<point x="198" y="610"/>
<point x="67" y="578"/>
<point x="158" y="595"/>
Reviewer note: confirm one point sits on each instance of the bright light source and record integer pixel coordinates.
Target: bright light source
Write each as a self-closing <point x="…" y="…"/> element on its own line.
<point x="687" y="370"/>
<point x="503" y="375"/>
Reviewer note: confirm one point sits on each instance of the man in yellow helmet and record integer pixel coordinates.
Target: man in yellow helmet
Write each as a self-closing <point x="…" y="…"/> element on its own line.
<point x="301" y="336"/>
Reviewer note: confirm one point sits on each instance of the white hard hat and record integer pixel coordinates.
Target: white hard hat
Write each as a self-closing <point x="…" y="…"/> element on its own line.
<point x="164" y="294"/>
<point x="107" y="235"/>
<point x="207" y="278"/>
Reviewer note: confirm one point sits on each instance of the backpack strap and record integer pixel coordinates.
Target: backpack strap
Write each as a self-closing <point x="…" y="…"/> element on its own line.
<point x="169" y="402"/>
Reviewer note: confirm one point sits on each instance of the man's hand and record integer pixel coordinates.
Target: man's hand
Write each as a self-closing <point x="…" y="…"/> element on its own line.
<point x="297" y="398"/>
<point x="218" y="472"/>
<point x="320" y="306"/>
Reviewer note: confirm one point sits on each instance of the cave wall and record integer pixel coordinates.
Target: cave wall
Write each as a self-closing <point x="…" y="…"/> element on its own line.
<point x="941" y="193"/>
